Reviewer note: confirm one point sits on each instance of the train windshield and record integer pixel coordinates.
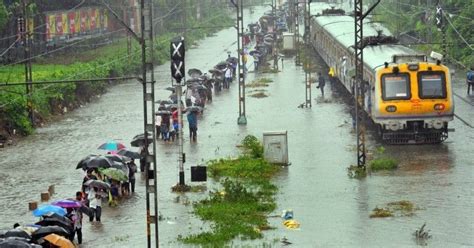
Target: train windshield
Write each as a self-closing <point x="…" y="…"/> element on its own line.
<point x="432" y="85"/>
<point x="395" y="87"/>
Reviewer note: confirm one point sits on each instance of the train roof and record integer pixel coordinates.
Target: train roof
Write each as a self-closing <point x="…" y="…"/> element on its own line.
<point x="341" y="28"/>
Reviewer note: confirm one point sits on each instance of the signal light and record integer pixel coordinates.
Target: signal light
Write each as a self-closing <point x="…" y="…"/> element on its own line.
<point x="391" y="108"/>
<point x="439" y="106"/>
<point x="413" y="67"/>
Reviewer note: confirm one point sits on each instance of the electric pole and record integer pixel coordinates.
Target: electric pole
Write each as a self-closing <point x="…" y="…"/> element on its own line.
<point x="148" y="81"/>
<point x="242" y="120"/>
<point x="24" y="33"/>
<point x="359" y="92"/>
<point x="307" y="61"/>
<point x="297" y="33"/>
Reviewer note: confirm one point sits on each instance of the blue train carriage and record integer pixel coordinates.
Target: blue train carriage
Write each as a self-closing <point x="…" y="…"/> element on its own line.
<point x="406" y="96"/>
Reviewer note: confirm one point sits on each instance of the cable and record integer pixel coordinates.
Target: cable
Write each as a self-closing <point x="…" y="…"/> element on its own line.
<point x="75" y="75"/>
<point x="10" y="47"/>
<point x="61" y="48"/>
<point x="455" y="30"/>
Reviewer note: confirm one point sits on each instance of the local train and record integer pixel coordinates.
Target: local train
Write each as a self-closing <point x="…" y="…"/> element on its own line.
<point x="408" y="97"/>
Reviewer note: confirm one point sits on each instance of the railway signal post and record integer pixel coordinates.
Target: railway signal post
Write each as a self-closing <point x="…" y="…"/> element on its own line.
<point x="177" y="51"/>
<point x="242" y="120"/>
<point x="359" y="17"/>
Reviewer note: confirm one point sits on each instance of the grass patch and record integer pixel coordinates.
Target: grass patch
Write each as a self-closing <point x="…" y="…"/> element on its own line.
<point x="260" y="82"/>
<point x="396" y="208"/>
<point x="239" y="208"/>
<point x="356" y="172"/>
<point x="382" y="162"/>
<point x="259" y="95"/>
<point x="381" y="213"/>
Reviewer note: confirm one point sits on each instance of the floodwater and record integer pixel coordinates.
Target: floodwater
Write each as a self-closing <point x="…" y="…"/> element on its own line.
<point x="332" y="208"/>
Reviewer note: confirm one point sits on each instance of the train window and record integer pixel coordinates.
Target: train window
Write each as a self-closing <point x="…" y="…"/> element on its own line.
<point x="432" y="85"/>
<point x="396" y="87"/>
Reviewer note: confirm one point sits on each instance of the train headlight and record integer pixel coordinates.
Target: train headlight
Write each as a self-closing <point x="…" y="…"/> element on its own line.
<point x="439" y="107"/>
<point x="391" y="108"/>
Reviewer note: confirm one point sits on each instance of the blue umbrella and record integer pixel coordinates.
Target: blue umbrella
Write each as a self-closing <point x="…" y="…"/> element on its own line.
<point x="46" y="209"/>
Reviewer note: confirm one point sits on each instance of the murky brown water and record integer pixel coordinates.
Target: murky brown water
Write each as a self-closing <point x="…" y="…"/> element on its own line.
<point x="332" y="208"/>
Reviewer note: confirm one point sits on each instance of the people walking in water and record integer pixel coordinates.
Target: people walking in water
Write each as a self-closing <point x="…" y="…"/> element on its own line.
<point x="132" y="169"/>
<point x="227" y="77"/>
<point x="470" y="80"/>
<point x="192" y="122"/>
<point x="321" y="83"/>
<point x="95" y="203"/>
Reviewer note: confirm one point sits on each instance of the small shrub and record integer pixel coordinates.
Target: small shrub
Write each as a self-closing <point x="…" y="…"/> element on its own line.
<point x="383" y="164"/>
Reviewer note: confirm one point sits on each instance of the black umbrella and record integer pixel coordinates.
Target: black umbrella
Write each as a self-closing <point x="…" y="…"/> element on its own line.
<point x="69" y="226"/>
<point x="221" y="65"/>
<point x="194" y="80"/>
<point x="46" y="230"/>
<point x="17" y="233"/>
<point x="199" y="87"/>
<point x="193" y="72"/>
<point x="162" y="112"/>
<point x="130" y="154"/>
<point x="94" y="162"/>
<point x="193" y="109"/>
<point x="114" y="158"/>
<point x="257" y="53"/>
<point x="233" y="60"/>
<point x="57" y="217"/>
<point x="139" y="140"/>
<point x="120" y="166"/>
<point x="163" y="101"/>
<point x="97" y="183"/>
<point x="17" y="243"/>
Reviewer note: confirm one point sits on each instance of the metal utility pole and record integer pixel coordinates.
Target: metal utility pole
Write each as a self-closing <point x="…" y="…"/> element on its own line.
<point x="24" y="34"/>
<point x="359" y="79"/>
<point x="242" y="120"/>
<point x="307" y="61"/>
<point x="297" y="34"/>
<point x="148" y="81"/>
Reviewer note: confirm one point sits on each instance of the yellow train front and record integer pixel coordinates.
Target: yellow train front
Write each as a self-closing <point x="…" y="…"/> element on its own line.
<point x="413" y="102"/>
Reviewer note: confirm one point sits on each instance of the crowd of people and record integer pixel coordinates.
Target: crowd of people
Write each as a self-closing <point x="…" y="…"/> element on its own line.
<point x="108" y="178"/>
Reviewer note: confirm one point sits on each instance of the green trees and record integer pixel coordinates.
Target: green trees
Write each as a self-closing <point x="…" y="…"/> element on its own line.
<point x="417" y="18"/>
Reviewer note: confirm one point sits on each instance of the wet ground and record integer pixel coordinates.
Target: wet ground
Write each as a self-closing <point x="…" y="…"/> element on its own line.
<point x="332" y="208"/>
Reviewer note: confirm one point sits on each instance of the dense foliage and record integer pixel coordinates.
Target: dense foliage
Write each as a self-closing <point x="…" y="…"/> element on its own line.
<point x="417" y="19"/>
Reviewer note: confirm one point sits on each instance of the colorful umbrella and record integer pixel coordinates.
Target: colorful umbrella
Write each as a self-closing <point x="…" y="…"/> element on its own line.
<point x="67" y="203"/>
<point x="59" y="241"/>
<point x="115" y="174"/>
<point x="47" y="208"/>
<point x="112" y="146"/>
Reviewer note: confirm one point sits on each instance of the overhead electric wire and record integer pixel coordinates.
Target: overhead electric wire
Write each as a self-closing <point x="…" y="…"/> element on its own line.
<point x="457" y="32"/>
<point x="10" y="47"/>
